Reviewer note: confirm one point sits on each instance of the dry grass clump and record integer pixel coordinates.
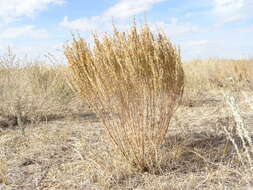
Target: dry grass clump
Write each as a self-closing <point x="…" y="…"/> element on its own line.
<point x="30" y="92"/>
<point x="241" y="131"/>
<point x="134" y="82"/>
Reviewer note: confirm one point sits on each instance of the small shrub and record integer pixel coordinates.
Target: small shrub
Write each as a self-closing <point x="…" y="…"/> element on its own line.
<point x="134" y="82"/>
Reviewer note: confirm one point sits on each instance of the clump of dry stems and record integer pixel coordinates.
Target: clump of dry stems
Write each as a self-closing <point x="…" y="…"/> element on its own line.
<point x="240" y="130"/>
<point x="134" y="82"/>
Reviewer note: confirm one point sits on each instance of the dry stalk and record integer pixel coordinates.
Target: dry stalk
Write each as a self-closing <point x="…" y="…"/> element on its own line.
<point x="241" y="130"/>
<point x="134" y="82"/>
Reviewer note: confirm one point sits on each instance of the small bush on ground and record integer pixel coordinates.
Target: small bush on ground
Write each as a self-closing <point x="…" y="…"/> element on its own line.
<point x="134" y="82"/>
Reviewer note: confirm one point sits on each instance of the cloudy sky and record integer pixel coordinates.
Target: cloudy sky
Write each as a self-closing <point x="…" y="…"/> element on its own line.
<point x="202" y="28"/>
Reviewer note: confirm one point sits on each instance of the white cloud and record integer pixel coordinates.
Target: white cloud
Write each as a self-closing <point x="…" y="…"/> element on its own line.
<point x="128" y="8"/>
<point x="84" y="24"/>
<point x="176" y="28"/>
<point x="229" y="19"/>
<point x="232" y="10"/>
<point x="122" y="9"/>
<point x="233" y="18"/>
<point x="229" y="6"/>
<point x="188" y="15"/>
<point x="93" y="24"/>
<point x="13" y="9"/>
<point x="1" y="48"/>
<point x="197" y="43"/>
<point x="248" y="29"/>
<point x="29" y="31"/>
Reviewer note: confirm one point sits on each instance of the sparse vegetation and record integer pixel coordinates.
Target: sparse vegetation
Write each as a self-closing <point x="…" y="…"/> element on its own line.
<point x="31" y="92"/>
<point x="209" y="141"/>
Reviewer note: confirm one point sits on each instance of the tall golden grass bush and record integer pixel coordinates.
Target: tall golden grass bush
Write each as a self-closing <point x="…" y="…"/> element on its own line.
<point x="134" y="82"/>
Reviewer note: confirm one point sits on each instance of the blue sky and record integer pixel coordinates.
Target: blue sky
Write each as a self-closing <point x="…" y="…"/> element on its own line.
<point x="202" y="28"/>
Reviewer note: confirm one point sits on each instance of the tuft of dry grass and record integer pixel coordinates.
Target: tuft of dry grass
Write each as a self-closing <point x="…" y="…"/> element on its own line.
<point x="241" y="131"/>
<point x="134" y="82"/>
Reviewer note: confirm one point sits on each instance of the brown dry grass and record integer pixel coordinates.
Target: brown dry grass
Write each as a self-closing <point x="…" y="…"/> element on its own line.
<point x="219" y="73"/>
<point x="215" y="75"/>
<point x="74" y="154"/>
<point x="31" y="92"/>
<point x="134" y="82"/>
<point x="208" y="145"/>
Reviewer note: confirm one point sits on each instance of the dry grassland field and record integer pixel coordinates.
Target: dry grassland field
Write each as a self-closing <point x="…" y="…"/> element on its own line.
<point x="126" y="114"/>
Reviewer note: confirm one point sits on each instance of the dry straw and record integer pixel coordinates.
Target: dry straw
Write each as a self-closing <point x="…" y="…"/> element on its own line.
<point x="134" y="82"/>
<point x="241" y="130"/>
